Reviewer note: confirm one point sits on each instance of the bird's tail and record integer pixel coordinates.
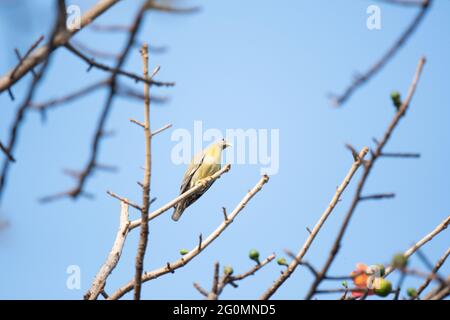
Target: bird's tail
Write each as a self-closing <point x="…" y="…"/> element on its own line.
<point x="177" y="213"/>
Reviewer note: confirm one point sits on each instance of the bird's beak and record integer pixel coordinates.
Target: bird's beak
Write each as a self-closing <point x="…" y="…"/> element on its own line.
<point x="228" y="145"/>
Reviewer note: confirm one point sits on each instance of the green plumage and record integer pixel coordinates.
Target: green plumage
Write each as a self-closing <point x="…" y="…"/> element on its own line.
<point x="203" y="165"/>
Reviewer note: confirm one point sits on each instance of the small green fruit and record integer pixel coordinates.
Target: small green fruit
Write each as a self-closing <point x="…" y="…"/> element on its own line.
<point x="345" y="284"/>
<point x="254" y="255"/>
<point x="184" y="251"/>
<point x="411" y="292"/>
<point x="396" y="99"/>
<point x="282" y="262"/>
<point x="399" y="261"/>
<point x="228" y="270"/>
<point x="382" y="287"/>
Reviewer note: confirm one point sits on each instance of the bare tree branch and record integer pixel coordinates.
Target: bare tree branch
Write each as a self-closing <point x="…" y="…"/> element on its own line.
<point x="185" y="259"/>
<point x="298" y="258"/>
<point x="225" y="279"/>
<point x="171" y="9"/>
<point x="400" y="155"/>
<point x="6" y="152"/>
<point x="367" y="170"/>
<point x="93" y="52"/>
<point x="94" y="64"/>
<point x="378" y="196"/>
<point x="91" y="165"/>
<point x="113" y="257"/>
<point x="172" y="203"/>
<point x="339" y="100"/>
<point x="143" y="238"/>
<point x="21" y="111"/>
<point x="408" y="253"/>
<point x="131" y="204"/>
<point x="122" y="90"/>
<point x="406" y="3"/>
<point x="199" y="288"/>
<point x="433" y="274"/>
<point x="59" y="39"/>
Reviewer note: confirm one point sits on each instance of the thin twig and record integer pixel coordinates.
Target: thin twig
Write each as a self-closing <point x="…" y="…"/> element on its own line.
<point x="213" y="294"/>
<point x="23" y="108"/>
<point x="378" y="196"/>
<point x="166" y="8"/>
<point x="94" y="64"/>
<point x="408" y="253"/>
<point x="437" y="289"/>
<point x="29" y="51"/>
<point x="164" y="128"/>
<point x="94" y="52"/>
<point x="298" y="258"/>
<point x="61" y="38"/>
<point x="109" y="28"/>
<point x="400" y="155"/>
<point x="143" y="238"/>
<point x="339" y="100"/>
<point x="122" y="90"/>
<point x="147" y="276"/>
<point x="131" y="204"/>
<point x="367" y="170"/>
<point x="199" y="288"/>
<point x="113" y="258"/>
<point x="441" y="295"/>
<point x="433" y="273"/>
<point x="407" y="3"/>
<point x="220" y="284"/>
<point x="399" y="285"/>
<point x="253" y="270"/>
<point x="69" y="97"/>
<point x="6" y="152"/>
<point x="172" y="203"/>
<point x="91" y="165"/>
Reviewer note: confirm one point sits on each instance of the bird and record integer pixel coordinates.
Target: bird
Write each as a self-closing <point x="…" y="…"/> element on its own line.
<point x="203" y="165"/>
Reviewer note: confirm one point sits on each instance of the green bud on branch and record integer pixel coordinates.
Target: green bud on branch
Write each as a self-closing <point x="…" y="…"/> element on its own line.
<point x="254" y="255"/>
<point x="228" y="270"/>
<point x="282" y="262"/>
<point x="396" y="99"/>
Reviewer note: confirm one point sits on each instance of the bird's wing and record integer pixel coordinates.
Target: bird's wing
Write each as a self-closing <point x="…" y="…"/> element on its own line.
<point x="190" y="171"/>
<point x="185" y="186"/>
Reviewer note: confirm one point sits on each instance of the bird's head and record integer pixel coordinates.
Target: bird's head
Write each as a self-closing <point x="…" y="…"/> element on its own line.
<point x="224" y="144"/>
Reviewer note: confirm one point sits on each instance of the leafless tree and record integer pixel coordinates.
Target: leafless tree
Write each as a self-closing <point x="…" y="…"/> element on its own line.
<point x="36" y="60"/>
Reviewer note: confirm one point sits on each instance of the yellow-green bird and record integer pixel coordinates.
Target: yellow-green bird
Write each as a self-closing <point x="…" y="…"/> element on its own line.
<point x="203" y="165"/>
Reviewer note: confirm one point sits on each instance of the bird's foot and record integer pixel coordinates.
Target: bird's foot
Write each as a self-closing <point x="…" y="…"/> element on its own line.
<point x="203" y="182"/>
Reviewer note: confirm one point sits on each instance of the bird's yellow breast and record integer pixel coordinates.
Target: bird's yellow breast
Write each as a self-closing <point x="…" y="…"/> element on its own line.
<point x="211" y="164"/>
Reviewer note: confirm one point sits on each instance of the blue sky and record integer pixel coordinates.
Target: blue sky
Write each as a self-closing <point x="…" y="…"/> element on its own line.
<point x="252" y="64"/>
